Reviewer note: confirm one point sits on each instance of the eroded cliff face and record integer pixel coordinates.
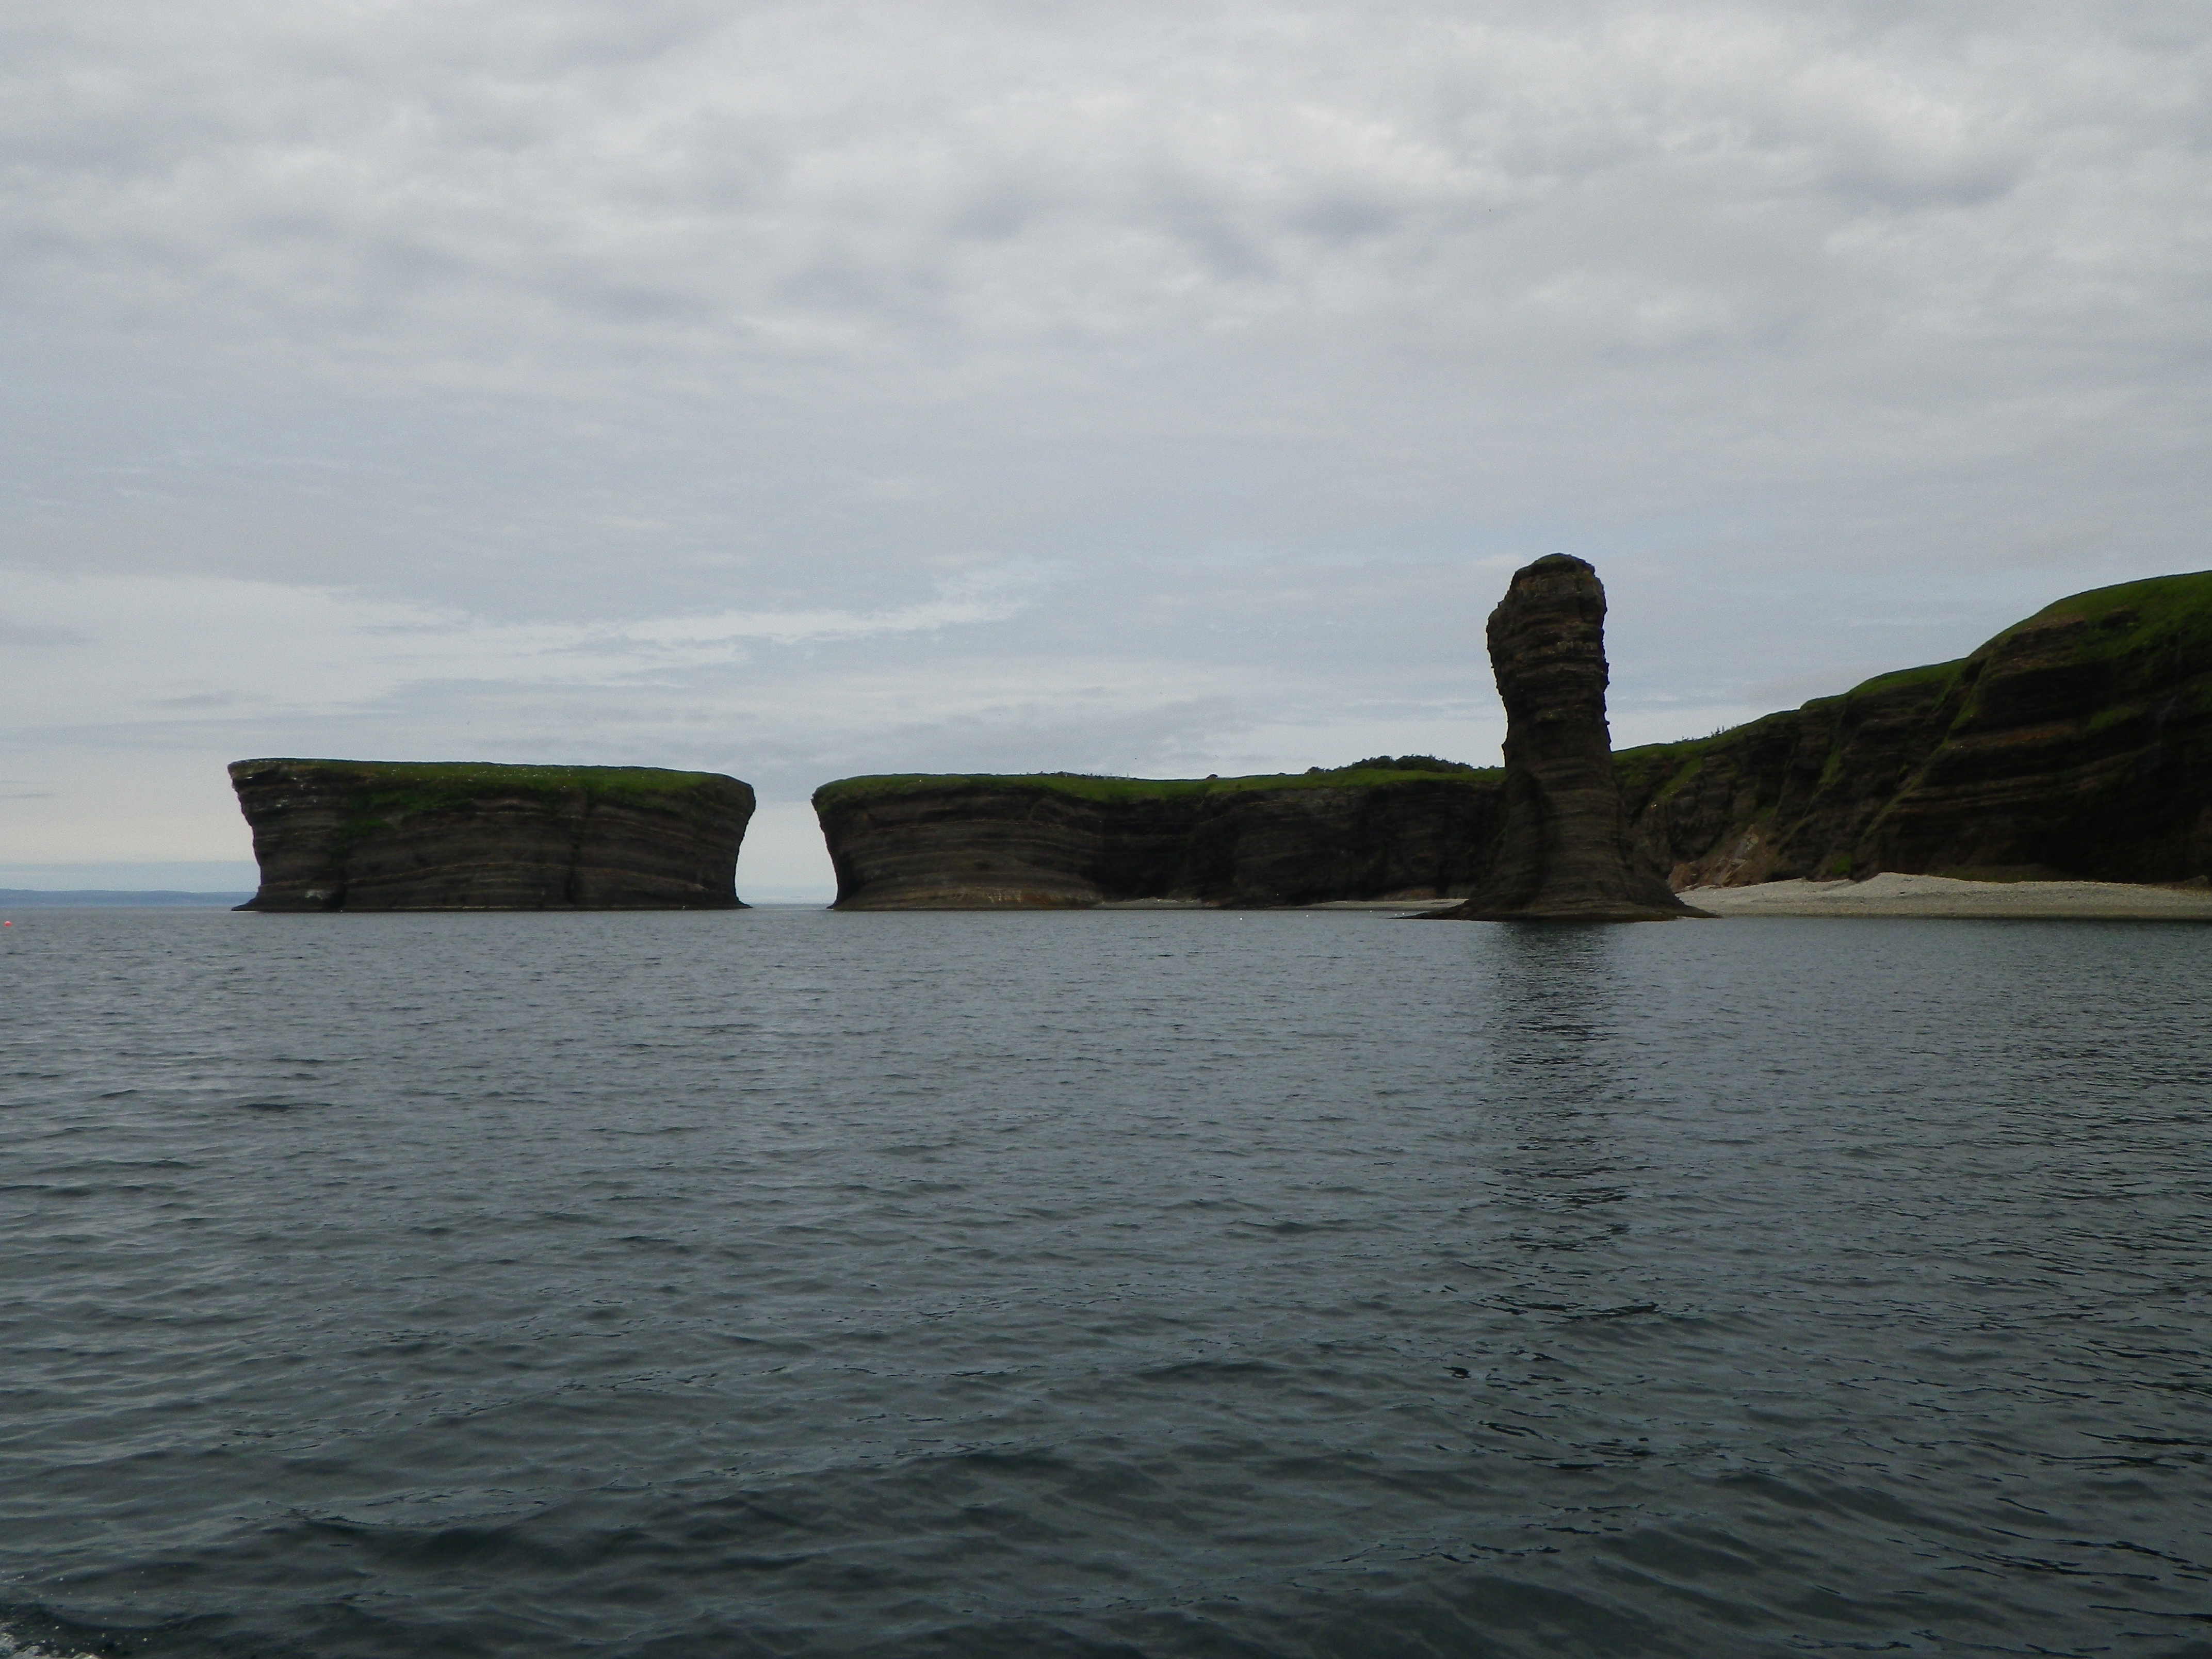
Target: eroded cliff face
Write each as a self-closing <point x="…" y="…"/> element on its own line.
<point x="375" y="835"/>
<point x="2077" y="744"/>
<point x="1009" y="842"/>
<point x="1563" y="851"/>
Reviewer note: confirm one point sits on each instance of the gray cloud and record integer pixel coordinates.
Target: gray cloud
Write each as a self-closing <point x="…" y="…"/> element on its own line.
<point x="833" y="386"/>
<point x="26" y="637"/>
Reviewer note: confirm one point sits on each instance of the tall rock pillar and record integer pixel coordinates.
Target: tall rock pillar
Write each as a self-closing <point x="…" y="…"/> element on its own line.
<point x="1563" y="853"/>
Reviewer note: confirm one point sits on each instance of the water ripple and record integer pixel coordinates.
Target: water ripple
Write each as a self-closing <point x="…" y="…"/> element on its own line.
<point x="782" y="1283"/>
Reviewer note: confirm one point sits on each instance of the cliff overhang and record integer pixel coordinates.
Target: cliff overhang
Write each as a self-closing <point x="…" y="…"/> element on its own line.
<point x="340" y="835"/>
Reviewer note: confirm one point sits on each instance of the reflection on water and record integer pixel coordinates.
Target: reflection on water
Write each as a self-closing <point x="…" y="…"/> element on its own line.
<point x="1086" y="1285"/>
<point x="1552" y="1082"/>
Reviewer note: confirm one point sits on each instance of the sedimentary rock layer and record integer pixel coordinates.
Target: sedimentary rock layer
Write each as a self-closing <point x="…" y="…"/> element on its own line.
<point x="2077" y="744"/>
<point x="382" y="835"/>
<point x="952" y="842"/>
<point x="1563" y="851"/>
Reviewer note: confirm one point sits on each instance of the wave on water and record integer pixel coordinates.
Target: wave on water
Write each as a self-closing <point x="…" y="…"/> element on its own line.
<point x="19" y="1643"/>
<point x="788" y="1285"/>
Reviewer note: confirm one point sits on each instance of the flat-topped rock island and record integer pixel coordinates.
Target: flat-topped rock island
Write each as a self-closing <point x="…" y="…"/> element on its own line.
<point x="335" y="834"/>
<point x="1386" y="829"/>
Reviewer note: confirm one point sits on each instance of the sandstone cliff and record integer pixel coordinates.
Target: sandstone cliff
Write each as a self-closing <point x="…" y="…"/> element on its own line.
<point x="2076" y="743"/>
<point x="1563" y="853"/>
<point x="954" y="843"/>
<point x="381" y="836"/>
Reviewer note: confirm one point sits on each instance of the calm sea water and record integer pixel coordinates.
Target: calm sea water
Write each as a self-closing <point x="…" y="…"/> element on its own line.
<point x="785" y="1283"/>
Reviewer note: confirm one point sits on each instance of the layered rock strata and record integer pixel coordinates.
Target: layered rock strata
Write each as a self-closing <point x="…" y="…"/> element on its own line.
<point x="1055" y="841"/>
<point x="2075" y="744"/>
<point x="1564" y="851"/>
<point x="383" y="836"/>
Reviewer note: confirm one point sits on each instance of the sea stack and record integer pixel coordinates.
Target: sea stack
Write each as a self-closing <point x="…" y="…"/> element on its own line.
<point x="1564" y="853"/>
<point x="335" y="834"/>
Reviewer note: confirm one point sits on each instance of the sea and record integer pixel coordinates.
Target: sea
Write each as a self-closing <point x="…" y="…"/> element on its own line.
<point x="1213" y="1284"/>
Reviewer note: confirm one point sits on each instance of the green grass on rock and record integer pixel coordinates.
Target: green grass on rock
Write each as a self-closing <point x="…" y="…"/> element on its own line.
<point x="400" y="787"/>
<point x="1085" y="787"/>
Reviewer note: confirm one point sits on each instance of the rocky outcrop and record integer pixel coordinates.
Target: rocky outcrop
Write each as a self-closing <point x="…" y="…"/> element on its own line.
<point x="982" y="843"/>
<point x="378" y="835"/>
<point x="1564" y="853"/>
<point x="2077" y="744"/>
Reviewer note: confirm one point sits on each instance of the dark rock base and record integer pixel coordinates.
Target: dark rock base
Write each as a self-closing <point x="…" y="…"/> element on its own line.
<point x="370" y="836"/>
<point x="997" y="843"/>
<point x="1563" y="853"/>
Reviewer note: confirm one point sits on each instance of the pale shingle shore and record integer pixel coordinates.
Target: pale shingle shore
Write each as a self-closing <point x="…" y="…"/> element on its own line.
<point x="1941" y="896"/>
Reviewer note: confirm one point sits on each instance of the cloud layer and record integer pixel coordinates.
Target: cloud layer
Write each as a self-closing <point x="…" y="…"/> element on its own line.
<point x="805" y="388"/>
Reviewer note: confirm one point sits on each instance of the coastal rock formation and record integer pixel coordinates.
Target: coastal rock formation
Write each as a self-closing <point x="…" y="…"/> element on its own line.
<point x="1063" y="842"/>
<point x="386" y="836"/>
<point x="2076" y="745"/>
<point x="1564" y="853"/>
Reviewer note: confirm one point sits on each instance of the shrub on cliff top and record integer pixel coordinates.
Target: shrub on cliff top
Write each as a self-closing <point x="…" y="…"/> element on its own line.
<point x="1406" y="764"/>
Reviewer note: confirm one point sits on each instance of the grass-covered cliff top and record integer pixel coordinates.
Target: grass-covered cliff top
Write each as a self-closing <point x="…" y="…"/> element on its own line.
<point x="2157" y="614"/>
<point x="2147" y="618"/>
<point x="1413" y="769"/>
<point x="1935" y="678"/>
<point x="410" y="786"/>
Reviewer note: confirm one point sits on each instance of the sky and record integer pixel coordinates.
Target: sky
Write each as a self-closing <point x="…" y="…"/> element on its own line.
<point x="797" y="390"/>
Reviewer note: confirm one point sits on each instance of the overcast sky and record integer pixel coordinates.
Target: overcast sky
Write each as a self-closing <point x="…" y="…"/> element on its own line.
<point x="801" y="389"/>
